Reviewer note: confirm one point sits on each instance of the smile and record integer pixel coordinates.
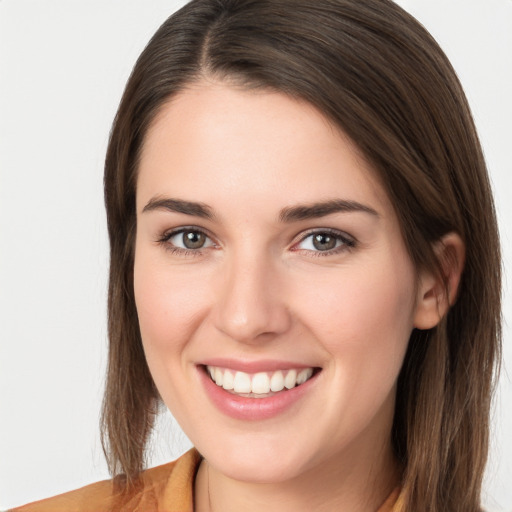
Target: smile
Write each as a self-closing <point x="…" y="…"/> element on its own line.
<point x="258" y="385"/>
<point x="263" y="391"/>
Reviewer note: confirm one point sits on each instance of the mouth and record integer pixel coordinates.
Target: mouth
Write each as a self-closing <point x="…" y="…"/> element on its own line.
<point x="263" y="384"/>
<point x="265" y="390"/>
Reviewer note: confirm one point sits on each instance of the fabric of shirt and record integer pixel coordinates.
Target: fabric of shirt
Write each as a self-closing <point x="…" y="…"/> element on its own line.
<point x="166" y="488"/>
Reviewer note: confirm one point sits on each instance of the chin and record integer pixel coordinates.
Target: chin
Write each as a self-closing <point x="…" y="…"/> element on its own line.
<point x="257" y="462"/>
<point x="257" y="471"/>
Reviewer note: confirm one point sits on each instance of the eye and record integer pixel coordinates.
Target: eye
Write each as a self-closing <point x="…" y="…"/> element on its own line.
<point x="187" y="239"/>
<point x="326" y="241"/>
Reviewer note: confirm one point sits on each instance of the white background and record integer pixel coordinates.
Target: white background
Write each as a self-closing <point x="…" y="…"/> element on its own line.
<point x="63" y="65"/>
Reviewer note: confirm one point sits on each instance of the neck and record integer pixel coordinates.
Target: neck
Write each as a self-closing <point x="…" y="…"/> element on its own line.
<point x="356" y="483"/>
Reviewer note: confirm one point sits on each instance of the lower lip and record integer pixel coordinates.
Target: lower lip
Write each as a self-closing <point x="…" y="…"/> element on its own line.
<point x="253" y="409"/>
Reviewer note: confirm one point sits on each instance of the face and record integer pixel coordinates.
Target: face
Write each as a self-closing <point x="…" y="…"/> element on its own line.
<point x="274" y="292"/>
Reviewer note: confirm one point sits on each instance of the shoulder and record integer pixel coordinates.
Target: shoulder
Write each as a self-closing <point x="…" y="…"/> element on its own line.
<point x="164" y="488"/>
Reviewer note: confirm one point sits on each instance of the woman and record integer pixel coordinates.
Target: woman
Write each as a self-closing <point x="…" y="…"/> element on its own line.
<point x="304" y="266"/>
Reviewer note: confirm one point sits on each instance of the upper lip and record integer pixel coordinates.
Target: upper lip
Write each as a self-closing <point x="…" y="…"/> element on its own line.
<point x="248" y="366"/>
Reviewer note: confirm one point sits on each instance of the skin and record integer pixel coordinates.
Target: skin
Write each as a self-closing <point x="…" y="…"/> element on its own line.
<point x="259" y="289"/>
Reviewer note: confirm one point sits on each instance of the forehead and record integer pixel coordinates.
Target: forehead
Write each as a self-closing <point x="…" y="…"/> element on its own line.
<point x="217" y="142"/>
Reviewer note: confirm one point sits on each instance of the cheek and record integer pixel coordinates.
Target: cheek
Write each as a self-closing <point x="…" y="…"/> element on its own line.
<point x="169" y="304"/>
<point x="363" y="317"/>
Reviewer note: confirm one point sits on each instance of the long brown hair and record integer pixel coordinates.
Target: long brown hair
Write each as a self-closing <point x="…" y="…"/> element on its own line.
<point x="378" y="74"/>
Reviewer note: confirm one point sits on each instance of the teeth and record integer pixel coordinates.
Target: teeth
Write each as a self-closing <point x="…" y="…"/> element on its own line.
<point x="260" y="383"/>
<point x="219" y="376"/>
<point x="228" y="381"/>
<point x="277" y="382"/>
<point x="242" y="383"/>
<point x="304" y="375"/>
<point x="291" y="379"/>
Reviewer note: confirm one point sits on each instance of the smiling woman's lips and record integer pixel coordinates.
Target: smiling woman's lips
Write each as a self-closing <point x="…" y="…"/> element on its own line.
<point x="251" y="407"/>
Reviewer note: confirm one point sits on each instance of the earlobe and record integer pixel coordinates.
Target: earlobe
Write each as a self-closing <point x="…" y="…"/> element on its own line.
<point x="437" y="293"/>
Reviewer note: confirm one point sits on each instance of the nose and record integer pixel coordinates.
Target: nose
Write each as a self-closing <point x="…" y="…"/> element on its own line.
<point x="250" y="301"/>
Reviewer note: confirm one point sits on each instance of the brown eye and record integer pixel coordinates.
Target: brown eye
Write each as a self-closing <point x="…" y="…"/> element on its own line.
<point x="324" y="241"/>
<point x="328" y="242"/>
<point x="188" y="239"/>
<point x="193" y="239"/>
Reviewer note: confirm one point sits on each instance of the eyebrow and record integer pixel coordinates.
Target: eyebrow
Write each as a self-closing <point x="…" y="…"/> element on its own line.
<point x="179" y="206"/>
<point x="287" y="215"/>
<point x="322" y="209"/>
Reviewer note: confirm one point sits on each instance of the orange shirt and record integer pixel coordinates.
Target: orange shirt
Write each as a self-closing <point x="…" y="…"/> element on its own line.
<point x="166" y="488"/>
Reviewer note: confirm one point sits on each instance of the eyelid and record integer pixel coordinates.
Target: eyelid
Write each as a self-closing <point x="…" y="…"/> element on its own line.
<point x="164" y="239"/>
<point x="348" y="241"/>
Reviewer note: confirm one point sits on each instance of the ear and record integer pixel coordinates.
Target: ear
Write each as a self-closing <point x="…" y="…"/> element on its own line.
<point x="437" y="293"/>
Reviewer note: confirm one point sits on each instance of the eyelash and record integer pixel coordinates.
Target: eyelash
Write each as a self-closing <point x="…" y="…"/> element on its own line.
<point x="164" y="240"/>
<point x="347" y="242"/>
